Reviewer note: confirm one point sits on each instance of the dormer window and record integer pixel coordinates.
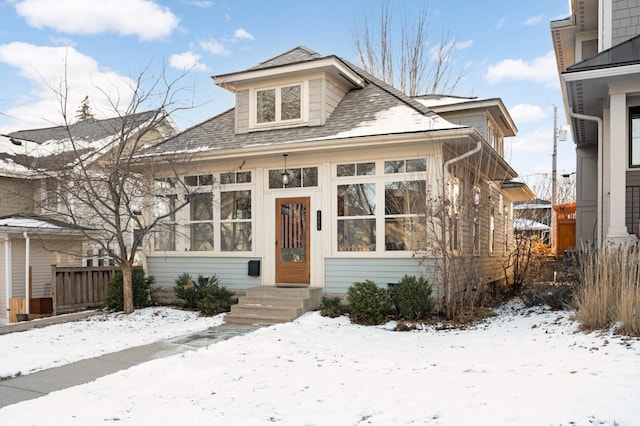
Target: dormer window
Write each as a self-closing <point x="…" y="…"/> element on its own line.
<point x="278" y="105"/>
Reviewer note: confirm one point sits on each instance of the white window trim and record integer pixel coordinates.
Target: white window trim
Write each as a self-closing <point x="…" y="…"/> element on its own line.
<point x="304" y="106"/>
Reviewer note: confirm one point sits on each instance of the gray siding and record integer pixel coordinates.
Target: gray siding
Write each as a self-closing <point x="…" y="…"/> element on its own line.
<point x="231" y="272"/>
<point x="625" y="20"/>
<point x="16" y="196"/>
<point x="341" y="273"/>
<point x="477" y="121"/>
<point x="242" y="111"/>
<point x="333" y="96"/>
<point x="316" y="98"/>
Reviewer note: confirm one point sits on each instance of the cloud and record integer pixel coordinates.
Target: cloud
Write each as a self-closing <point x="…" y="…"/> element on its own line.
<point x="241" y="34"/>
<point x="523" y="113"/>
<point x="464" y="44"/>
<point x="201" y="4"/>
<point x="538" y="70"/>
<point x="533" y="20"/>
<point x="215" y="47"/>
<point x="500" y="23"/>
<point x="90" y="17"/>
<point x="187" y="61"/>
<point x="48" y="69"/>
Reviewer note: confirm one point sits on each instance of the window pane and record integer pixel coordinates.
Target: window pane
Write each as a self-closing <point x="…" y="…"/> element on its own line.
<point x="275" y="179"/>
<point x="357" y="199"/>
<point x="290" y="103"/>
<point x="235" y="205"/>
<point x="206" y="180"/>
<point x="235" y="236"/>
<point x="191" y="180"/>
<point x="164" y="237"/>
<point x="396" y="166"/>
<point x="294" y="178"/>
<point x="405" y="197"/>
<point x="310" y="176"/>
<point x="356" y="235"/>
<point x="201" y="236"/>
<point x="243" y="177"/>
<point x="346" y="170"/>
<point x="417" y="165"/>
<point x="635" y="140"/>
<point x="202" y="207"/>
<point x="227" y="178"/>
<point x="165" y="205"/>
<point x="366" y="169"/>
<point x="404" y="234"/>
<point x="266" y="106"/>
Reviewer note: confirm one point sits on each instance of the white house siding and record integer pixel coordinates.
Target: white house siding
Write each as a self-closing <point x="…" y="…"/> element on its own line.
<point x="586" y="195"/>
<point x="625" y="20"/>
<point x="317" y="116"/>
<point x="333" y="95"/>
<point x="232" y="272"/>
<point x="341" y="273"/>
<point x="16" y="196"/>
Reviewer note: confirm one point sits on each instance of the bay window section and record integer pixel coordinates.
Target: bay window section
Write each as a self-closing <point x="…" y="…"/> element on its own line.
<point x="356" y="217"/>
<point x="634" y="137"/>
<point x="235" y="221"/>
<point x="164" y="236"/>
<point x="405" y="219"/>
<point x="201" y="221"/>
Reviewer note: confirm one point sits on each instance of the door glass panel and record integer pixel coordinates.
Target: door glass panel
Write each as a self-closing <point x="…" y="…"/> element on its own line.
<point x="293" y="232"/>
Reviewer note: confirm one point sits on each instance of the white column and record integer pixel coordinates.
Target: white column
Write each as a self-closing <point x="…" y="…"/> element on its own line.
<point x="615" y="167"/>
<point x="8" y="287"/>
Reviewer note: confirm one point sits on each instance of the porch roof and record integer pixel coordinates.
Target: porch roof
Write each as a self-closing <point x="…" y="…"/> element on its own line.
<point x="17" y="224"/>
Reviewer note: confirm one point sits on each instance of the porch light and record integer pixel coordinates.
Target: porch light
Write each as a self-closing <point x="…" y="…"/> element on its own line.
<point x="286" y="177"/>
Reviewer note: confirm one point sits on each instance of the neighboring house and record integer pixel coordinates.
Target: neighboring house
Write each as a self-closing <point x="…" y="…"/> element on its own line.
<point x="598" y="56"/>
<point x="33" y="217"/>
<point x="320" y="175"/>
<point x="534" y="218"/>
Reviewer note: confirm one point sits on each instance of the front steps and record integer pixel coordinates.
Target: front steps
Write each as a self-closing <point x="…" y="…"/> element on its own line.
<point x="273" y="305"/>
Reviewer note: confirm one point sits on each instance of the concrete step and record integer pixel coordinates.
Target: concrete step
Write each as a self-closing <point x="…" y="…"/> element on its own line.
<point x="272" y="305"/>
<point x="268" y="311"/>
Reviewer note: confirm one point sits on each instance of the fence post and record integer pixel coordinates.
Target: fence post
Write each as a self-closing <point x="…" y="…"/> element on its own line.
<point x="54" y="290"/>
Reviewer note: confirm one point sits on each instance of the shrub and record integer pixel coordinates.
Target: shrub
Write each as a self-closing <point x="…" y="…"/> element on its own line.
<point x="609" y="288"/>
<point x="141" y="290"/>
<point x="412" y="298"/>
<point x="331" y="307"/>
<point x="204" y="294"/>
<point x="215" y="300"/>
<point x="556" y="296"/>
<point x="368" y="303"/>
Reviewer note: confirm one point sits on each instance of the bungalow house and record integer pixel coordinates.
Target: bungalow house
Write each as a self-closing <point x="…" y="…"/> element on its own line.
<point x="36" y="228"/>
<point x="597" y="51"/>
<point x="321" y="175"/>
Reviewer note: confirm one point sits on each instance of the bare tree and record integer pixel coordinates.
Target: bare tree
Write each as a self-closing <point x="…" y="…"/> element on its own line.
<point x="417" y="66"/>
<point x="104" y="189"/>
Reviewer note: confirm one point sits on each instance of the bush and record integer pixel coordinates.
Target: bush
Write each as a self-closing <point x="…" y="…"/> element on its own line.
<point x="204" y="294"/>
<point x="556" y="296"/>
<point x="331" y="307"/>
<point x="412" y="298"/>
<point x="368" y="303"/>
<point x="141" y="290"/>
<point x="215" y="300"/>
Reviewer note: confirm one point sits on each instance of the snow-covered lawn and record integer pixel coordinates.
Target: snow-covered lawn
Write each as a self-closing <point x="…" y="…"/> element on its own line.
<point x="41" y="348"/>
<point x="521" y="367"/>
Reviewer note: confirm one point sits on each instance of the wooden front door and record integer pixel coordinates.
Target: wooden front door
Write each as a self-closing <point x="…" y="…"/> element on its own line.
<point x="292" y="241"/>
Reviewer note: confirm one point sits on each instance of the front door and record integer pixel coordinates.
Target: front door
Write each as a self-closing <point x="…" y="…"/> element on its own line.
<point x="292" y="241"/>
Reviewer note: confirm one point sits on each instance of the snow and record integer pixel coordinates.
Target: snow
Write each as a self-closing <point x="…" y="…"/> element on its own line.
<point x="520" y="367"/>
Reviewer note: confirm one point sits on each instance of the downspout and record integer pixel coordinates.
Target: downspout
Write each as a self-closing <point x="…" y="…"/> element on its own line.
<point x="8" y="288"/>
<point x="27" y="249"/>
<point x="458" y="158"/>
<point x="598" y="120"/>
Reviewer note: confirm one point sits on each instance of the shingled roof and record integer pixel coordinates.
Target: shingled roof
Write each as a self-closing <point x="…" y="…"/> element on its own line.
<point x="26" y="152"/>
<point x="376" y="109"/>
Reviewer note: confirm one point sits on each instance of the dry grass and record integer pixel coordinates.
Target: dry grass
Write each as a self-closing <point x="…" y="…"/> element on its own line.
<point x="609" y="290"/>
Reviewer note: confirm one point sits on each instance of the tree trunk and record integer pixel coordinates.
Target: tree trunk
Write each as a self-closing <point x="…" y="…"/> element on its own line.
<point x="127" y="287"/>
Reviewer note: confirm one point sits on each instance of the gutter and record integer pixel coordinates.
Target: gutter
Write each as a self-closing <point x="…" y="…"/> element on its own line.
<point x="27" y="296"/>
<point x="598" y="120"/>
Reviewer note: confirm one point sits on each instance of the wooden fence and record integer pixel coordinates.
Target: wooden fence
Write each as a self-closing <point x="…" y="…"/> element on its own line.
<point x="75" y="288"/>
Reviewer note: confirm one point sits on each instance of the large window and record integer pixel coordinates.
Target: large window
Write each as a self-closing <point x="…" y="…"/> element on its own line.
<point x="356" y="217"/>
<point x="235" y="221"/>
<point x="164" y="237"/>
<point x="278" y="104"/>
<point x="201" y="221"/>
<point x="405" y="223"/>
<point x="634" y="137"/>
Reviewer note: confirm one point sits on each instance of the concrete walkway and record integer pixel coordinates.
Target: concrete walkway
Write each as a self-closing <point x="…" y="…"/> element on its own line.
<point x="41" y="383"/>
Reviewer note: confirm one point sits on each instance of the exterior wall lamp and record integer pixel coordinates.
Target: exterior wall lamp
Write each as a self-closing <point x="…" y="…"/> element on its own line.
<point x="286" y="177"/>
